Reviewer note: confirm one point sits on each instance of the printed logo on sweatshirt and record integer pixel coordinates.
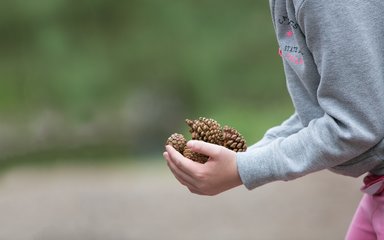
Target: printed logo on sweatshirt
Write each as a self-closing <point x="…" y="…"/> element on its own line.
<point x="285" y="20"/>
<point x="289" y="50"/>
<point x="289" y="34"/>
<point x="292" y="54"/>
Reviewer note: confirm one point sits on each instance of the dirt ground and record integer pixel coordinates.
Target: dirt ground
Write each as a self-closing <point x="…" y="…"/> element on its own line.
<point x="147" y="203"/>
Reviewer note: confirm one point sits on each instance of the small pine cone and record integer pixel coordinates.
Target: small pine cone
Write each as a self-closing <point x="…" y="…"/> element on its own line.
<point x="194" y="156"/>
<point x="177" y="141"/>
<point x="234" y="140"/>
<point x="206" y="129"/>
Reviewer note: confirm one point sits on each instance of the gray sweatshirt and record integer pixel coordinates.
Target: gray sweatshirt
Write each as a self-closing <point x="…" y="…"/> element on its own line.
<point x="333" y="56"/>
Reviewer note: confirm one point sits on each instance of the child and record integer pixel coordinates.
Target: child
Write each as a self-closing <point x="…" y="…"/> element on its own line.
<point x="333" y="56"/>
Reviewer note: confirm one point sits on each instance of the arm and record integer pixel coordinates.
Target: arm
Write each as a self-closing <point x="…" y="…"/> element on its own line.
<point x="288" y="127"/>
<point x="346" y="46"/>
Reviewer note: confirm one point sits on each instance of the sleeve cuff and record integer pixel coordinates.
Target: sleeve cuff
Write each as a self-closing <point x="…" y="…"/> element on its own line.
<point x="254" y="169"/>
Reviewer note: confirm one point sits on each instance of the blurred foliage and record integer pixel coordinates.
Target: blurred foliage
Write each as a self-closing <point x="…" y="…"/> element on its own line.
<point x="127" y="73"/>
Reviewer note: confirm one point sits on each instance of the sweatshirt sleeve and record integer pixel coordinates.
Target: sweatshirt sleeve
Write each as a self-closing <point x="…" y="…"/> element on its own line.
<point x="288" y="127"/>
<point x="345" y="40"/>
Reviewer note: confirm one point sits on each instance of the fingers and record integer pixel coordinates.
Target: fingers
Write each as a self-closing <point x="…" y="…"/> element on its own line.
<point x="182" y="163"/>
<point x="179" y="175"/>
<point x="182" y="168"/>
<point x="217" y="175"/>
<point x="209" y="149"/>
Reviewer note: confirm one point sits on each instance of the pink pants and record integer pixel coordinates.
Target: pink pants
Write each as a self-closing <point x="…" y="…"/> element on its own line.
<point x="368" y="222"/>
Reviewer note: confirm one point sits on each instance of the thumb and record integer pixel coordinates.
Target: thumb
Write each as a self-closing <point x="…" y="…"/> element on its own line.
<point x="209" y="149"/>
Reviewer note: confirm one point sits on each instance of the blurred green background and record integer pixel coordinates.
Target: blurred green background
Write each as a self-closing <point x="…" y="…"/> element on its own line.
<point x="115" y="78"/>
<point x="91" y="89"/>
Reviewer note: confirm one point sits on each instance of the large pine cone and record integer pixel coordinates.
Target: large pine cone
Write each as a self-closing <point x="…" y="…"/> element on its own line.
<point x="208" y="130"/>
<point x="233" y="140"/>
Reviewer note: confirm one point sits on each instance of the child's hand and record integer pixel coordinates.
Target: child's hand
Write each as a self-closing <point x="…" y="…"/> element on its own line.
<point x="215" y="176"/>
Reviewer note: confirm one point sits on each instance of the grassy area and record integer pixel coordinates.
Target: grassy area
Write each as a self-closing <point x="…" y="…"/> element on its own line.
<point x="114" y="78"/>
<point x="251" y="123"/>
<point x="82" y="57"/>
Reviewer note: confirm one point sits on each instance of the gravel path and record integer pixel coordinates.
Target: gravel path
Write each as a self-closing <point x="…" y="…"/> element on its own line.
<point x="146" y="203"/>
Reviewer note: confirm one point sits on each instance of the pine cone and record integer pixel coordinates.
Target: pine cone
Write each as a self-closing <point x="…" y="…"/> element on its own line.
<point x="233" y="140"/>
<point x="177" y="141"/>
<point x="206" y="129"/>
<point x="194" y="156"/>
